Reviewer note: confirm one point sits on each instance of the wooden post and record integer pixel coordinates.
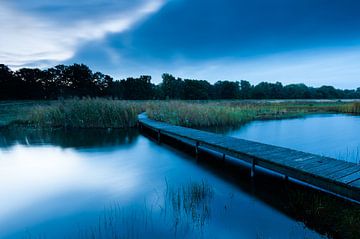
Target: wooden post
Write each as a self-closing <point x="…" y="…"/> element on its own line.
<point x="197" y="149"/>
<point x="158" y="136"/>
<point x="253" y="168"/>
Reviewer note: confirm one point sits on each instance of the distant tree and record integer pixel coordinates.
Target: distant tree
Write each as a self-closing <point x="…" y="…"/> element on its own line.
<point x="64" y="81"/>
<point x="6" y="78"/>
<point x="80" y="81"/>
<point x="138" y="88"/>
<point x="297" y="91"/>
<point x="196" y="90"/>
<point x="328" y="92"/>
<point x="227" y="90"/>
<point x="33" y="85"/>
<point x="171" y="88"/>
<point x="245" y="89"/>
<point x="265" y="90"/>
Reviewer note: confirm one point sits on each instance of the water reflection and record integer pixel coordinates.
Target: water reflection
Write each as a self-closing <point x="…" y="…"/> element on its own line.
<point x="76" y="138"/>
<point x="58" y="184"/>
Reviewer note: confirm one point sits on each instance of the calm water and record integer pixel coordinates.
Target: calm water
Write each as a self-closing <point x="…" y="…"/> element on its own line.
<point x="78" y="184"/>
<point x="330" y="134"/>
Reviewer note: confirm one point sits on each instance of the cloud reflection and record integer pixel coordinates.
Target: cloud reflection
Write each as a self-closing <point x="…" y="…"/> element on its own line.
<point x="30" y="176"/>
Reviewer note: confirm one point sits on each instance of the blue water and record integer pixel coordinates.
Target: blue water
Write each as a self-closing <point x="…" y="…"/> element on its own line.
<point x="331" y="135"/>
<point x="64" y="185"/>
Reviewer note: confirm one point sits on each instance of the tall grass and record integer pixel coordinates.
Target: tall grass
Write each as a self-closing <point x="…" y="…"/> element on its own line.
<point x="353" y="108"/>
<point x="102" y="113"/>
<point x="231" y="113"/>
<point x="189" y="204"/>
<point x="86" y="113"/>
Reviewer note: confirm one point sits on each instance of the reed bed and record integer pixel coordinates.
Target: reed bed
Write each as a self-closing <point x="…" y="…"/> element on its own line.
<point x="104" y="113"/>
<point x="353" y="108"/>
<point x="86" y="113"/>
<point x="233" y="113"/>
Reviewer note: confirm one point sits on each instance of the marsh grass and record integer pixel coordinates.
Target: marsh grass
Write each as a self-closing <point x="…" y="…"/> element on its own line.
<point x="189" y="205"/>
<point x="233" y="113"/>
<point x="86" y="113"/>
<point x="353" y="108"/>
<point x="185" y="210"/>
<point x="104" y="113"/>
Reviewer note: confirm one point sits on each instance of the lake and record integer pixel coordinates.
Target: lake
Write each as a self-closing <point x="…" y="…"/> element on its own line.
<point x="333" y="135"/>
<point x="116" y="184"/>
<point x="76" y="184"/>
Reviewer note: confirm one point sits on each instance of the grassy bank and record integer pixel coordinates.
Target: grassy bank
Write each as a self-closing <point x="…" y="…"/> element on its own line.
<point x="232" y="113"/>
<point x="85" y="113"/>
<point x="103" y="113"/>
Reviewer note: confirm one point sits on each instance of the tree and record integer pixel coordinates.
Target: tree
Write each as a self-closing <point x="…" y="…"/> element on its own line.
<point x="245" y="89"/>
<point x="6" y="78"/>
<point x="138" y="88"/>
<point x="227" y="90"/>
<point x="196" y="90"/>
<point x="171" y="88"/>
<point x="32" y="83"/>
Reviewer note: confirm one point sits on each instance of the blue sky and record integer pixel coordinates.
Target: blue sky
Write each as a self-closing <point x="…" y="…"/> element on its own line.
<point x="316" y="42"/>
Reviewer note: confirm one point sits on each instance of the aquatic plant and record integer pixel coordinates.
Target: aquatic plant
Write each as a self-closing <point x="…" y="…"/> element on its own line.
<point x="353" y="108"/>
<point x="86" y="113"/>
<point x="231" y="113"/>
<point x="189" y="204"/>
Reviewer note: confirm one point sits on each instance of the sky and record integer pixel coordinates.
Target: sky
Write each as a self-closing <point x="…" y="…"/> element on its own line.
<point x="316" y="42"/>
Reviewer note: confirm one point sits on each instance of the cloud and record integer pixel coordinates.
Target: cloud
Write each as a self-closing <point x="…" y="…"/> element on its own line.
<point x="29" y="39"/>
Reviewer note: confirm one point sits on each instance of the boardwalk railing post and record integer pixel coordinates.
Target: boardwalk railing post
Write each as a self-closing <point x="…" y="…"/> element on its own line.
<point x="197" y="149"/>
<point x="253" y="168"/>
<point x="158" y="136"/>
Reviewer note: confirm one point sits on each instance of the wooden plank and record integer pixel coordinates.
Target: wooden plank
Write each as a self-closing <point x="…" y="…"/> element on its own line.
<point x="349" y="178"/>
<point x="352" y="169"/>
<point x="355" y="184"/>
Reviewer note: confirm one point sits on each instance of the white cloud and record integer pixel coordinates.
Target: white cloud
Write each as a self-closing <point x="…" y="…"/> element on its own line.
<point x="31" y="40"/>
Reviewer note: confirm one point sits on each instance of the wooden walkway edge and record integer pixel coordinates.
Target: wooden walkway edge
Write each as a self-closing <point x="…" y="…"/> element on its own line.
<point x="336" y="176"/>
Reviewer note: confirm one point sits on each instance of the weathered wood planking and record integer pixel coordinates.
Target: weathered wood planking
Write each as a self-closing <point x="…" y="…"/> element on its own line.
<point x="333" y="175"/>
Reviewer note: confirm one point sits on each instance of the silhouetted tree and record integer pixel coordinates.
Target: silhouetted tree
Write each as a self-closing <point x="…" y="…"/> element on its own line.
<point x="64" y="81"/>
<point x="6" y="87"/>
<point x="138" y="88"/>
<point x="171" y="88"/>
<point x="245" y="90"/>
<point x="196" y="90"/>
<point x="227" y="90"/>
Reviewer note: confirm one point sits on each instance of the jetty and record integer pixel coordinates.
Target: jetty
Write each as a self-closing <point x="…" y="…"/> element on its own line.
<point x="328" y="174"/>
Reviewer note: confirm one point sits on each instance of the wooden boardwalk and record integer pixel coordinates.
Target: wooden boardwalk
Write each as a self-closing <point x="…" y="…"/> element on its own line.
<point x="336" y="176"/>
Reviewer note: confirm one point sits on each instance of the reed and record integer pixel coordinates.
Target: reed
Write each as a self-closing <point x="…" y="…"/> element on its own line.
<point x="189" y="204"/>
<point x="353" y="108"/>
<point x="85" y="113"/>
<point x="233" y="113"/>
<point x="197" y="114"/>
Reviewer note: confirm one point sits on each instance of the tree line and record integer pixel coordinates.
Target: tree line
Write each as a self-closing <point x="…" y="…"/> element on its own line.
<point x="78" y="80"/>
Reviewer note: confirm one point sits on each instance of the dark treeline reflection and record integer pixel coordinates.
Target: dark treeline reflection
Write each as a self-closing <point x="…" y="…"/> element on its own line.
<point x="78" y="80"/>
<point x="68" y="138"/>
